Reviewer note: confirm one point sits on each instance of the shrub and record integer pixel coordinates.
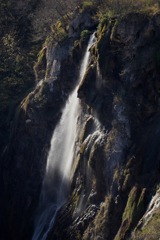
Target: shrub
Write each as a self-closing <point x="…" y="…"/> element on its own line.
<point x="85" y="35"/>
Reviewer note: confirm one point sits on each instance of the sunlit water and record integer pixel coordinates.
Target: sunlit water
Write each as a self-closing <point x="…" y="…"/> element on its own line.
<point x="56" y="182"/>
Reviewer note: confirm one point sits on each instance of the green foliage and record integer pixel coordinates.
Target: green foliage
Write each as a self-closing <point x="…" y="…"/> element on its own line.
<point x="87" y="5"/>
<point x="103" y="22"/>
<point x="59" y="30"/>
<point x="85" y="35"/>
<point x="130" y="209"/>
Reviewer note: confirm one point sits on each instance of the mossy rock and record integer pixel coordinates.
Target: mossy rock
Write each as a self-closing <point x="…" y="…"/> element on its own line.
<point x="151" y="230"/>
<point x="134" y="210"/>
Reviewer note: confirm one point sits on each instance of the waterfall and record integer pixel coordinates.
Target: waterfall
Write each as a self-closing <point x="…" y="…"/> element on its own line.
<point x="56" y="181"/>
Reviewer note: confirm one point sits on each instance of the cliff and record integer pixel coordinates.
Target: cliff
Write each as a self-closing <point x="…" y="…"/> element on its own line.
<point x="116" y="170"/>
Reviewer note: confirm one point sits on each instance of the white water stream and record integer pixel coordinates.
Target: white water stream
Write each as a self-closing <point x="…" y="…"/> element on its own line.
<point x="59" y="163"/>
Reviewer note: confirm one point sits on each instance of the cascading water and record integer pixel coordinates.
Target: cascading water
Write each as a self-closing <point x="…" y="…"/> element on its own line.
<point x="57" y="177"/>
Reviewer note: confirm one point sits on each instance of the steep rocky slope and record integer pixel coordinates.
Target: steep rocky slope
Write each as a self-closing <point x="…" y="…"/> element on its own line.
<point x="23" y="162"/>
<point x="117" y="168"/>
<point x="116" y="164"/>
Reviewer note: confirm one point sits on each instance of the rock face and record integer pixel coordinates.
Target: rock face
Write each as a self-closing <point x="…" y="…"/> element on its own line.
<point x="24" y="160"/>
<point x="33" y="127"/>
<point x="116" y="163"/>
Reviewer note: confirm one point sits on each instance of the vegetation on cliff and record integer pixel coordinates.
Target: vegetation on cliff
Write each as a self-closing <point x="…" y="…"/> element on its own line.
<point x="120" y="89"/>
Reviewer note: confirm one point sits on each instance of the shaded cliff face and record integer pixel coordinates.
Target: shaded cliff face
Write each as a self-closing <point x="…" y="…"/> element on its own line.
<point x="116" y="163"/>
<point x="25" y="157"/>
<point x="116" y="169"/>
<point x="24" y="160"/>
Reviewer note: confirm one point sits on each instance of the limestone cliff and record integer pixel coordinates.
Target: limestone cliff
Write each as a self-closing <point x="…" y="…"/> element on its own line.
<point x="116" y="170"/>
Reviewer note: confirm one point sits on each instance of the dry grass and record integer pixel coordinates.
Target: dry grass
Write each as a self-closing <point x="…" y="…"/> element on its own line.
<point x="124" y="6"/>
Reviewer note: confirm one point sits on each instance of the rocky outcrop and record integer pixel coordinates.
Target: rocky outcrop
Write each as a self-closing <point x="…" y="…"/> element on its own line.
<point x="24" y="160"/>
<point x="116" y="163"/>
<point x="29" y="144"/>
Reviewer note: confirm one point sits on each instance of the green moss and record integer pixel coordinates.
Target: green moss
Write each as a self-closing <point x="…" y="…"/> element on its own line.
<point x="134" y="210"/>
<point x="135" y="205"/>
<point x="131" y="206"/>
<point x="151" y="230"/>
